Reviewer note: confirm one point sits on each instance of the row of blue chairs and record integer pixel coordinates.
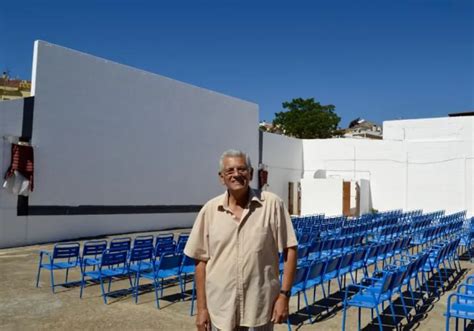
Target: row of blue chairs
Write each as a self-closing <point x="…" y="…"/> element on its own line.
<point x="140" y="263"/>
<point x="137" y="263"/>
<point x="339" y="262"/>
<point x="65" y="256"/>
<point x="383" y="285"/>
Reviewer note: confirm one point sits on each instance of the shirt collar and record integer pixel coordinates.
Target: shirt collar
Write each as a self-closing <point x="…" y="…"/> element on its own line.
<point x="254" y="195"/>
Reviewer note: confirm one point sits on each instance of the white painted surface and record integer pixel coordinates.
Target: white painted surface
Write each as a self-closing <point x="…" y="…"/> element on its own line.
<point x="365" y="197"/>
<point x="108" y="134"/>
<point x="429" y="129"/>
<point x="11" y="115"/>
<point x="321" y="196"/>
<point x="114" y="135"/>
<point x="284" y="158"/>
<point x="427" y="171"/>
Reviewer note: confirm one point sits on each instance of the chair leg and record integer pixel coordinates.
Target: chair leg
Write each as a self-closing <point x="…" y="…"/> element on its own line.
<point x="38" y="274"/>
<point x="137" y="285"/>
<point x="52" y="280"/>
<point x="155" y="282"/>
<point x="359" y="319"/>
<point x="308" y="309"/>
<point x="379" y="318"/>
<point x="192" y="297"/>
<point x="103" y="290"/>
<point x="82" y="285"/>
<point x="404" y="305"/>
<point x="344" y="307"/>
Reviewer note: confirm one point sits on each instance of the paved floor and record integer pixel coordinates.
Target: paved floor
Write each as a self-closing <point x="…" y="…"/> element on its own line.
<point x="25" y="307"/>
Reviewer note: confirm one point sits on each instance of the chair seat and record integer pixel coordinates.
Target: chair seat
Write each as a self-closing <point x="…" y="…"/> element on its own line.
<point x="168" y="273"/>
<point x="143" y="266"/>
<point x="113" y="272"/>
<point x="366" y="300"/>
<point x="59" y="265"/>
<point x="330" y="275"/>
<point x="314" y="281"/>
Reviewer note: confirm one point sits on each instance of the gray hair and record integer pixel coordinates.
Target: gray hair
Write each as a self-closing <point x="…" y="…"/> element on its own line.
<point x="234" y="153"/>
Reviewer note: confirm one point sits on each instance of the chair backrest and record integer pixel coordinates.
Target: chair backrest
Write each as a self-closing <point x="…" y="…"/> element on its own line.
<point x="397" y="279"/>
<point x="94" y="247"/>
<point x="165" y="247"/>
<point x="316" y="269"/>
<point x="141" y="254"/>
<point x="143" y="241"/>
<point x="182" y="237"/>
<point x="164" y="238"/>
<point x="113" y="258"/>
<point x="333" y="264"/>
<point x="300" y="276"/>
<point x="303" y="252"/>
<point x="120" y="244"/>
<point x="386" y="282"/>
<point x="327" y="245"/>
<point x="347" y="260"/>
<point x="187" y="261"/>
<point x="359" y="255"/>
<point x="66" y="250"/>
<point x="170" y="261"/>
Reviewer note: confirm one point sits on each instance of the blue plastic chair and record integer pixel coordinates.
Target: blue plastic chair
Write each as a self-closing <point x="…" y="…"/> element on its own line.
<point x="299" y="286"/>
<point x="188" y="268"/>
<point x="368" y="297"/>
<point x="167" y="266"/>
<point x="64" y="256"/>
<point x="113" y="264"/>
<point x="460" y="306"/>
<point x="140" y="260"/>
<point x="181" y="242"/>
<point x="92" y="252"/>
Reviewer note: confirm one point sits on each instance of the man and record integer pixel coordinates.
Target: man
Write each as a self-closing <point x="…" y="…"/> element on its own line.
<point x="235" y="241"/>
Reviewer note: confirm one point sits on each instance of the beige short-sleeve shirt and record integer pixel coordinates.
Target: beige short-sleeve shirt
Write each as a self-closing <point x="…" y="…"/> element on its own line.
<point x="242" y="280"/>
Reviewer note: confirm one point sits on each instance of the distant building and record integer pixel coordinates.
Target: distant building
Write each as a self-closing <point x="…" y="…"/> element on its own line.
<point x="361" y="128"/>
<point x="269" y="127"/>
<point x="13" y="88"/>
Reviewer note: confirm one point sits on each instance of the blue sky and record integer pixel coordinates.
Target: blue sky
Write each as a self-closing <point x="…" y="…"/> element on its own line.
<point x="377" y="59"/>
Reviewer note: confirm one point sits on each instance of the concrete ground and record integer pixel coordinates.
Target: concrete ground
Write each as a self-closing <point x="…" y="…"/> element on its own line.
<point x="25" y="307"/>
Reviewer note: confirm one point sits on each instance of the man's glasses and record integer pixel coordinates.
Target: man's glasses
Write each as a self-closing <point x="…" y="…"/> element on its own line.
<point x="230" y="171"/>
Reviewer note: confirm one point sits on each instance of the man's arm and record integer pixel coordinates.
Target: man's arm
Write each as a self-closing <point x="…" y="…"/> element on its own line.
<point x="280" y="307"/>
<point x="203" y="320"/>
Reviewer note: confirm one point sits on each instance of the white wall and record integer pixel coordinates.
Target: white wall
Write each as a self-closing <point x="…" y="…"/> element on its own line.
<point x="283" y="157"/>
<point x="11" y="115"/>
<point x="427" y="171"/>
<point x="321" y="196"/>
<point x="108" y="134"/>
<point x="429" y="129"/>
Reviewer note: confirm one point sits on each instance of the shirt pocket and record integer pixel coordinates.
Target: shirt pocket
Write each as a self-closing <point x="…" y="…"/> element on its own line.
<point x="261" y="238"/>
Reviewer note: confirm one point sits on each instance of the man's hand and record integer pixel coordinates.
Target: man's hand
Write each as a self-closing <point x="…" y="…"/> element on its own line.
<point x="280" y="309"/>
<point x="203" y="320"/>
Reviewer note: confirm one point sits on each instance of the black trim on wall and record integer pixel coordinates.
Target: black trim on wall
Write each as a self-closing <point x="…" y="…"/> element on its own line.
<point x="27" y="125"/>
<point x="26" y="134"/>
<point x="111" y="210"/>
<point x="260" y="146"/>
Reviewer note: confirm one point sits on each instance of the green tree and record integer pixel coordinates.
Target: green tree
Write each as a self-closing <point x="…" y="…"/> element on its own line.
<point x="307" y="119"/>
